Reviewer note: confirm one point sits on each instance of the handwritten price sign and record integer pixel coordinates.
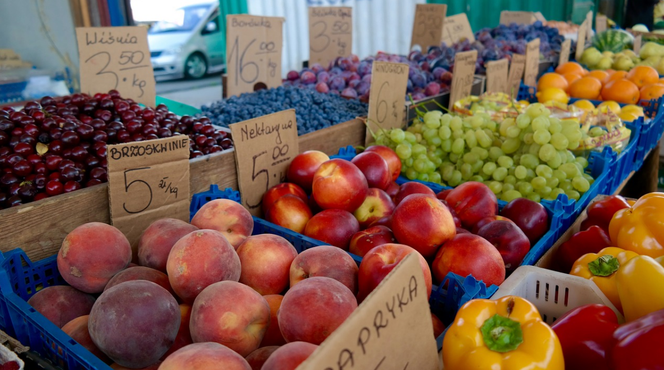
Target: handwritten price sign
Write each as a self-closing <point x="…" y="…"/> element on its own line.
<point x="116" y="58"/>
<point x="464" y="74"/>
<point x="264" y="147"/>
<point x="456" y="27"/>
<point x="148" y="180"/>
<point x="428" y="25"/>
<point x="330" y="33"/>
<point x="532" y="63"/>
<point x="387" y="97"/>
<point x="253" y="49"/>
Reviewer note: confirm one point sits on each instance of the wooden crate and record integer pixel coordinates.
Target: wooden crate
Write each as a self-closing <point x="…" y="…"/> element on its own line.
<point x="39" y="227"/>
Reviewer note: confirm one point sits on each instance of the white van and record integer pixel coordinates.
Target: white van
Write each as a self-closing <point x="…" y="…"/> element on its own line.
<point x="188" y="43"/>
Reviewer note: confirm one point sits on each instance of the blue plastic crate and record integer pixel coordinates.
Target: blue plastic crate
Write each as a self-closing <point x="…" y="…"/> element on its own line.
<point x="12" y="91"/>
<point x="20" y="279"/>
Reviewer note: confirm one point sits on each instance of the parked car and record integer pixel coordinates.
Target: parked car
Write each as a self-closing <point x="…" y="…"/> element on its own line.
<point x="189" y="43"/>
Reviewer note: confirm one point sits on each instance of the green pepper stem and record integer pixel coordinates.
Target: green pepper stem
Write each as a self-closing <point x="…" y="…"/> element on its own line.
<point x="604" y="266"/>
<point x="501" y="334"/>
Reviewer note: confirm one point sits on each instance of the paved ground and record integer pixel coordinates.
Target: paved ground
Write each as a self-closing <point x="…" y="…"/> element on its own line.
<point x="192" y="92"/>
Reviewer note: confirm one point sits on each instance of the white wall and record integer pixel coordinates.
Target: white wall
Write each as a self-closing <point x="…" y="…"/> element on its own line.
<point x="41" y="32"/>
<point x="378" y="25"/>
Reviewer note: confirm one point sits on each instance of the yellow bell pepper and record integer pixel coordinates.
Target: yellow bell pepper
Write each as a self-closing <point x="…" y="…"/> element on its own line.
<point x="640" y="228"/>
<point x="601" y="268"/>
<point x="505" y="334"/>
<point x="640" y="284"/>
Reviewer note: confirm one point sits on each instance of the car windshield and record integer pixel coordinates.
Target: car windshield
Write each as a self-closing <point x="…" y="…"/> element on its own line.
<point x="181" y="20"/>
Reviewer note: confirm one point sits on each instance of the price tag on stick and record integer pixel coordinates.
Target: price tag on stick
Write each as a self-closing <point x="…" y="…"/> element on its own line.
<point x="508" y="17"/>
<point x="600" y="23"/>
<point x="532" y="62"/>
<point x="116" y="58"/>
<point x="455" y="28"/>
<point x="148" y="180"/>
<point x="462" y="78"/>
<point x="564" y="51"/>
<point x="589" y="26"/>
<point x="496" y="76"/>
<point x="580" y="40"/>
<point x="428" y="25"/>
<point x="330" y="34"/>
<point x="391" y="329"/>
<point x="637" y="44"/>
<point x="264" y="147"/>
<point x="253" y="52"/>
<point x="517" y="67"/>
<point x="387" y="97"/>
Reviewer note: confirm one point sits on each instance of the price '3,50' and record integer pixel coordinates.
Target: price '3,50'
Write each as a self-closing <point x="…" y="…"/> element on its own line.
<point x="128" y="60"/>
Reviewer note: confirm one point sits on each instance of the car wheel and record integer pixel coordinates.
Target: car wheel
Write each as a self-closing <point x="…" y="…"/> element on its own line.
<point x="195" y="67"/>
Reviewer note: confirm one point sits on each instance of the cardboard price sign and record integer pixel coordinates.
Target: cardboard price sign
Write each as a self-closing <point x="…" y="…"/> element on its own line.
<point x="464" y="73"/>
<point x="264" y="147"/>
<point x="564" y="51"/>
<point x="532" y="62"/>
<point x="391" y="329"/>
<point x="330" y="33"/>
<point x="148" y="180"/>
<point x="581" y="43"/>
<point x="600" y="23"/>
<point x="508" y="17"/>
<point x="540" y="17"/>
<point x="517" y="67"/>
<point x="116" y="58"/>
<point x="428" y="25"/>
<point x="637" y="44"/>
<point x="457" y="27"/>
<point x="496" y="76"/>
<point x="589" y="26"/>
<point x="387" y="97"/>
<point x="253" y="52"/>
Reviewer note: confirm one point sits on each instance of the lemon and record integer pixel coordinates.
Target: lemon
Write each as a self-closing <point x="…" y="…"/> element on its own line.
<point x="633" y="109"/>
<point x="584" y="104"/>
<point x="627" y="116"/>
<point x="552" y="94"/>
<point x="615" y="107"/>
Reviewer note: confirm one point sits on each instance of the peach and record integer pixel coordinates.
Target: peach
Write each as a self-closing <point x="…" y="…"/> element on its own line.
<point x="333" y="226"/>
<point x="140" y="273"/>
<point x="134" y="323"/>
<point x="468" y="254"/>
<point x="205" y="356"/>
<point x="365" y="240"/>
<point x="183" y="338"/>
<point x="273" y="335"/>
<point x="339" y="184"/>
<point x="392" y="190"/>
<point x="60" y="304"/>
<point x="158" y="239"/>
<point x="422" y="222"/>
<point x="325" y="261"/>
<point x="410" y="188"/>
<point x="472" y="201"/>
<point x="314" y="308"/>
<point x="77" y="329"/>
<point x="231" y="314"/>
<point x="376" y="206"/>
<point x="265" y="261"/>
<point x="278" y="191"/>
<point x="374" y="168"/>
<point x="289" y="356"/>
<point x="257" y="358"/>
<point x="303" y="167"/>
<point x="91" y="254"/>
<point x="392" y="159"/>
<point x="226" y="216"/>
<point x="438" y="326"/>
<point x="199" y="259"/>
<point x="290" y="212"/>
<point x="380" y="261"/>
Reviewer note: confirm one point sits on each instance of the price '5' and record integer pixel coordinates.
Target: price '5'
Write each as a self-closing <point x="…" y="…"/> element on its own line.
<point x="260" y="168"/>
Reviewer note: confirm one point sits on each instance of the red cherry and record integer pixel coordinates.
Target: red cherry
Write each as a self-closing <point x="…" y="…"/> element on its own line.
<point x="54" y="187"/>
<point x="71" y="186"/>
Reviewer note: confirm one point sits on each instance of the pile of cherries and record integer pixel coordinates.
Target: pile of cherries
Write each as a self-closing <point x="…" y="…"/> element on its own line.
<point x="56" y="146"/>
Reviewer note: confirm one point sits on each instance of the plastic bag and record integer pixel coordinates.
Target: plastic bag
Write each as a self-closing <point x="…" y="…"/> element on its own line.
<point x="498" y="105"/>
<point x="602" y="128"/>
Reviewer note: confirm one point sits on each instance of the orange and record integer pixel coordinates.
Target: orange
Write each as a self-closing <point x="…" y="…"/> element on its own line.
<point x="571" y="67"/>
<point x="652" y="91"/>
<point x="585" y="88"/>
<point x="552" y="80"/>
<point x="617" y="75"/>
<point x="643" y="75"/>
<point x="600" y="75"/>
<point x="622" y="91"/>
<point x="571" y="77"/>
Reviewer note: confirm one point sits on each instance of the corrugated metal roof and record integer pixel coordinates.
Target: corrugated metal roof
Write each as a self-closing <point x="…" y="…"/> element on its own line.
<point x="378" y="25"/>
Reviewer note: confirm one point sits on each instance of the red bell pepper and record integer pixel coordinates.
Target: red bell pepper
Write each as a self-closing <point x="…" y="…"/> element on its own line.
<point x="639" y="343"/>
<point x="601" y="212"/>
<point x="592" y="240"/>
<point x="586" y="336"/>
